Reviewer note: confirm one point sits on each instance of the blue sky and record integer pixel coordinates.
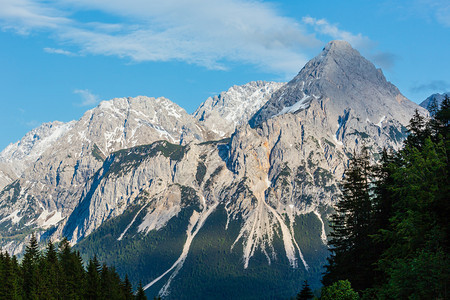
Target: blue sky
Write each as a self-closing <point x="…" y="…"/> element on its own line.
<point x="60" y="58"/>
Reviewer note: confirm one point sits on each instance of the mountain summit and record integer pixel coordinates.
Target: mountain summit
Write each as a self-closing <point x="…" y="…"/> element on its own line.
<point x="341" y="79"/>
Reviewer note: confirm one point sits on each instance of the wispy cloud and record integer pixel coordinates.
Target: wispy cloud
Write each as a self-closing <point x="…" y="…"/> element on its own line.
<point x="442" y="12"/>
<point x="438" y="10"/>
<point x="210" y="33"/>
<point x="25" y="15"/>
<point x="59" y="51"/>
<point x="385" y="60"/>
<point x="88" y="98"/>
<point x="324" y="27"/>
<point x="432" y="86"/>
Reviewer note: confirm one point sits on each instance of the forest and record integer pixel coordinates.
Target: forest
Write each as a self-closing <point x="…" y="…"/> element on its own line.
<point x="59" y="273"/>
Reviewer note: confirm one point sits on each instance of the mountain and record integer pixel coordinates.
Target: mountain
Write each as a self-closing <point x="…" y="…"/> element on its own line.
<point x="224" y="112"/>
<point x="340" y="78"/>
<point x="435" y="98"/>
<point x="17" y="157"/>
<point x="51" y="184"/>
<point x="208" y="205"/>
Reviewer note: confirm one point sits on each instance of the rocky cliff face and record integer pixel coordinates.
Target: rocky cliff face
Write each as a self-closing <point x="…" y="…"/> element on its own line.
<point x="224" y="112"/>
<point x="17" y="157"/>
<point x="140" y="174"/>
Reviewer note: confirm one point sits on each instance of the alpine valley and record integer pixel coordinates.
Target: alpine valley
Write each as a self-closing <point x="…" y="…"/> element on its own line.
<point x="229" y="202"/>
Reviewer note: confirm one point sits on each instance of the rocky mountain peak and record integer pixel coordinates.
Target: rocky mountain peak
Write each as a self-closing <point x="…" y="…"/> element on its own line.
<point x="342" y="64"/>
<point x="339" y="79"/>
<point x="224" y="112"/>
<point x="435" y="99"/>
<point x="338" y="45"/>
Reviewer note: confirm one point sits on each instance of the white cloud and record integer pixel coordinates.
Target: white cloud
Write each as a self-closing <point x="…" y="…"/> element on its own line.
<point x="324" y="27"/>
<point x="88" y="99"/>
<point x="210" y="33"/>
<point x="24" y="15"/>
<point x="385" y="60"/>
<point x="59" y="51"/>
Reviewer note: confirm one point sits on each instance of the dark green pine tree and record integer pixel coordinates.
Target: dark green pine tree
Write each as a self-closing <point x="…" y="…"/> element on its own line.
<point x="127" y="289"/>
<point x="9" y="288"/>
<point x="30" y="271"/>
<point x="59" y="275"/>
<point x="418" y="130"/>
<point x="111" y="285"/>
<point x="306" y="292"/>
<point x="140" y="293"/>
<point x="93" y="288"/>
<point x="352" y="253"/>
<point x="17" y="275"/>
<point x="441" y="205"/>
<point x="51" y="272"/>
<point x="418" y="233"/>
<point x="72" y="271"/>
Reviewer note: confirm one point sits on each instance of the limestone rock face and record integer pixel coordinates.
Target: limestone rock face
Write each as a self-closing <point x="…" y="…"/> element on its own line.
<point x="224" y="112"/>
<point x="17" y="157"/>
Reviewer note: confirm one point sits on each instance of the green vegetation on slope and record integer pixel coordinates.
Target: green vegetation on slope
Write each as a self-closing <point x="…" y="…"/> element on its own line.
<point x="58" y="273"/>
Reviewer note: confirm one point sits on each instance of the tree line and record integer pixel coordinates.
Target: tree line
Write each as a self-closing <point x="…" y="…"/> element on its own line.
<point x="59" y="273"/>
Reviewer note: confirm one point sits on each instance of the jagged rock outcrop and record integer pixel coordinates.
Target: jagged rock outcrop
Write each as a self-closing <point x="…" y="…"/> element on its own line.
<point x="224" y="112"/>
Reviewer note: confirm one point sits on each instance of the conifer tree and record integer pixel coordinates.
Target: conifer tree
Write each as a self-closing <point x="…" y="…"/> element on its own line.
<point x="350" y="245"/>
<point x="30" y="270"/>
<point x="140" y="293"/>
<point x="127" y="289"/>
<point x="59" y="274"/>
<point x="72" y="271"/>
<point x="17" y="278"/>
<point x="418" y="130"/>
<point x="8" y="284"/>
<point x="51" y="270"/>
<point x="306" y="292"/>
<point x="92" y="290"/>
